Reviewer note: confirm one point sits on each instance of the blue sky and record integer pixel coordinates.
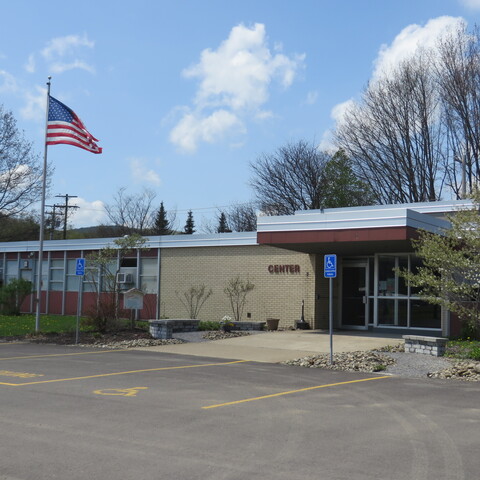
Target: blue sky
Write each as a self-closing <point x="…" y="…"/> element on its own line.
<point x="183" y="95"/>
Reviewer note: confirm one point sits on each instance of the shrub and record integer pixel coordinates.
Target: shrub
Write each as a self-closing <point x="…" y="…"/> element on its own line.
<point x="475" y="354"/>
<point x="193" y="299"/>
<point x="208" y="325"/>
<point x="13" y="294"/>
<point x="237" y="291"/>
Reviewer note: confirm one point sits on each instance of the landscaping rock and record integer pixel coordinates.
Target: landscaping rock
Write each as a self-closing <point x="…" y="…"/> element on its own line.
<point x="219" y="335"/>
<point x="351" y="361"/>
<point x="460" y="369"/>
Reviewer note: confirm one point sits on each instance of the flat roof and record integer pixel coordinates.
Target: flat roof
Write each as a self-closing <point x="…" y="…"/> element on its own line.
<point x="163" y="241"/>
<point x="355" y="218"/>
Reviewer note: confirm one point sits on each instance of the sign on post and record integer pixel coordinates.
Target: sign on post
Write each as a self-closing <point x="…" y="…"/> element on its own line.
<point x="80" y="266"/>
<point x="330" y="272"/>
<point x="79" y="271"/>
<point x="330" y="266"/>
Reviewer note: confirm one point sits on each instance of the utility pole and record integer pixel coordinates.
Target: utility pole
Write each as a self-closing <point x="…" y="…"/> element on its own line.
<point x="65" y="206"/>
<point x="53" y="220"/>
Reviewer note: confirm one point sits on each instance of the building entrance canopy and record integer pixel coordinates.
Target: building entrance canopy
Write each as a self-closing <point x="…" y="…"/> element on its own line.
<point x="356" y="230"/>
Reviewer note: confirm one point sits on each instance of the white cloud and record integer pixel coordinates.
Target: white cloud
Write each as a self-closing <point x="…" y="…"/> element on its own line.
<point x="35" y="104"/>
<point x="61" y="46"/>
<point x="30" y="65"/>
<point x="8" y="82"/>
<point x="61" y="53"/>
<point x="234" y="84"/>
<point x="239" y="72"/>
<point x="339" y="110"/>
<point x="473" y="4"/>
<point x="60" y="67"/>
<point x="312" y="97"/>
<point x="142" y="174"/>
<point x="409" y="40"/>
<point x="337" y="113"/>
<point x="89" y="214"/>
<point x="194" y="128"/>
<point x="264" y="115"/>
<point x="404" y="45"/>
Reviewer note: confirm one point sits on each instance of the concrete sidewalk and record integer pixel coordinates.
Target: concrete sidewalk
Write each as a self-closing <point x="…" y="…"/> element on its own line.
<point x="272" y="347"/>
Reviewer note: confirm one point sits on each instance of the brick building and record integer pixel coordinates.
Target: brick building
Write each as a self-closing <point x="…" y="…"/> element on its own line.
<point x="284" y="259"/>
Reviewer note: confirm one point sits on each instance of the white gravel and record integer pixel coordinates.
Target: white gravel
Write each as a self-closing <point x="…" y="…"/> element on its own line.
<point x="416" y="365"/>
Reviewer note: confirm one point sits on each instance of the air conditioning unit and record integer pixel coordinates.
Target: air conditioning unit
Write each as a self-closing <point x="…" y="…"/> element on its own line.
<point x="124" y="278"/>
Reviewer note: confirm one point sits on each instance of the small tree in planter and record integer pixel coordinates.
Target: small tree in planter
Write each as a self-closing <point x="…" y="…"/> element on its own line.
<point x="237" y="291"/>
<point x="194" y="298"/>
<point x="107" y="262"/>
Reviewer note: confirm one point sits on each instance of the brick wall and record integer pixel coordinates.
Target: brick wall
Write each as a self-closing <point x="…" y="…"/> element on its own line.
<point x="277" y="293"/>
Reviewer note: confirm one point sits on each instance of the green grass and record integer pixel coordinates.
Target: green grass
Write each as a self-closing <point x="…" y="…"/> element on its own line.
<point x="465" y="349"/>
<point x="25" y="324"/>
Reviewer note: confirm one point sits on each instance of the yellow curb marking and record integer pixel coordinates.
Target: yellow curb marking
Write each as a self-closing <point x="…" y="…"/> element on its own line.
<point x="290" y="392"/>
<point x="6" y="373"/>
<point x="121" y="373"/>
<point x="124" y="392"/>
<point x="63" y="354"/>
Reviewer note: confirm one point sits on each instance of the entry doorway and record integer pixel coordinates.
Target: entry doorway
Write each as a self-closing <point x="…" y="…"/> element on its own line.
<point x="355" y="295"/>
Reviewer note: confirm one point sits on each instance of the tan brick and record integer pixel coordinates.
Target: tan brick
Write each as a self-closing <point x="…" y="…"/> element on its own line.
<point x="276" y="295"/>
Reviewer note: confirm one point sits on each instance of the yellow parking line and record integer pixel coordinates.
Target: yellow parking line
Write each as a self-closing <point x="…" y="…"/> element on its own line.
<point x="291" y="391"/>
<point x="121" y="373"/>
<point x="64" y="354"/>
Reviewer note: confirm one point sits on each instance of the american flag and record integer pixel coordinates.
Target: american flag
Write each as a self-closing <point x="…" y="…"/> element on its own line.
<point x="64" y="126"/>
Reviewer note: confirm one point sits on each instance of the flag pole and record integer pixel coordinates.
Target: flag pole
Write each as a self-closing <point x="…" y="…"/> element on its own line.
<point x="42" y="219"/>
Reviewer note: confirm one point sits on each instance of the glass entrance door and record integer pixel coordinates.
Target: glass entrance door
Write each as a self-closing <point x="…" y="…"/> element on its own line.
<point x="354" y="295"/>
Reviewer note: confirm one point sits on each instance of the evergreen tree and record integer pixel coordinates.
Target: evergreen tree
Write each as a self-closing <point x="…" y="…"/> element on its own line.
<point x="162" y="225"/>
<point x="190" y="225"/>
<point x="222" y="224"/>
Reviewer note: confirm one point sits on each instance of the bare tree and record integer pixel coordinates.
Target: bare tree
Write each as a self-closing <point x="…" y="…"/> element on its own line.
<point x="394" y="135"/>
<point x="298" y="176"/>
<point x="242" y="217"/>
<point x="458" y="70"/>
<point x="237" y="291"/>
<point x="20" y="168"/>
<point x="132" y="213"/>
<point x="289" y="179"/>
<point x="102" y="272"/>
<point x="193" y="299"/>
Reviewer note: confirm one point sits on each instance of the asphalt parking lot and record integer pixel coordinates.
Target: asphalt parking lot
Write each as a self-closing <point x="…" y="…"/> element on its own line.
<point x="77" y="413"/>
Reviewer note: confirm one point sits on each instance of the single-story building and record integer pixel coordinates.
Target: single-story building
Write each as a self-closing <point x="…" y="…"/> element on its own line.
<point x="284" y="259"/>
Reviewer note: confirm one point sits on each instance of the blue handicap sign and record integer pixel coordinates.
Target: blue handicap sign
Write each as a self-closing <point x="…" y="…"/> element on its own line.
<point x="330" y="266"/>
<point x="80" y="266"/>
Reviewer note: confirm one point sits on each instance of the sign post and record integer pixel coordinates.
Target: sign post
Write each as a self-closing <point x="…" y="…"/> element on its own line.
<point x="330" y="272"/>
<point x="80" y="272"/>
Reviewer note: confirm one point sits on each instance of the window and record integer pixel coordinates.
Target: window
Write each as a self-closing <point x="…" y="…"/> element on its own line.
<point x="72" y="278"/>
<point x="44" y="274"/>
<point x="398" y="304"/>
<point x="56" y="274"/>
<point x="148" y="275"/>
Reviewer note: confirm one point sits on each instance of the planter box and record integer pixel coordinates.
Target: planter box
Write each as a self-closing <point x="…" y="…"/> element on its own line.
<point x="424" y="345"/>
<point x="246" y="326"/>
<point x="272" y="324"/>
<point x="164" y="328"/>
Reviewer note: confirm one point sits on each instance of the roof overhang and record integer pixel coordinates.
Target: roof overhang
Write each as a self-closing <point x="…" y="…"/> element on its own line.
<point x="353" y="231"/>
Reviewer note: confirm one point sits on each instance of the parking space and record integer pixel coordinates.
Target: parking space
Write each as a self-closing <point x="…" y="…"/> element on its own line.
<point x="121" y="414"/>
